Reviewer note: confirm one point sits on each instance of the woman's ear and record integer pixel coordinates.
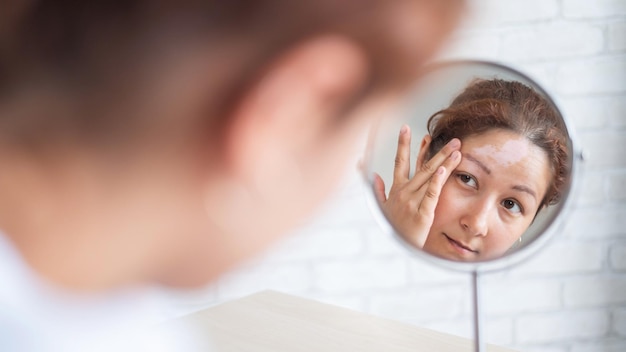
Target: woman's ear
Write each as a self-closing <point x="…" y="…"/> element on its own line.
<point x="294" y="104"/>
<point x="423" y="153"/>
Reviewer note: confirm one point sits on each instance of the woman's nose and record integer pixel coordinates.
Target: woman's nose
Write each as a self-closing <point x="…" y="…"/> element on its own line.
<point x="476" y="220"/>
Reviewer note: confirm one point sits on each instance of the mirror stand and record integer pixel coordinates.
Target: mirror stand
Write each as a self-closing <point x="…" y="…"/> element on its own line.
<point x="479" y="342"/>
<point x="456" y="93"/>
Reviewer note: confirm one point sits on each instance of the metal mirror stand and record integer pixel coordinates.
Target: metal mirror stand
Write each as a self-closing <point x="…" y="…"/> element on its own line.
<point x="479" y="342"/>
<point x="552" y="226"/>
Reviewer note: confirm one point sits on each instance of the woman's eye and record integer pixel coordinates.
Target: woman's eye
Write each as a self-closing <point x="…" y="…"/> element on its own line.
<point x="468" y="180"/>
<point x="512" y="206"/>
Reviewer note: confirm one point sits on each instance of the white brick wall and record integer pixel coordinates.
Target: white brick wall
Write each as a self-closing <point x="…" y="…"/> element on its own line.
<point x="591" y="291"/>
<point x="360" y="274"/>
<point x="617" y="36"/>
<point x="619" y="321"/>
<point x="521" y="296"/>
<point x="617" y="257"/>
<point x="585" y="9"/>
<point x="575" y="39"/>
<point x="571" y="297"/>
<point x="566" y="326"/>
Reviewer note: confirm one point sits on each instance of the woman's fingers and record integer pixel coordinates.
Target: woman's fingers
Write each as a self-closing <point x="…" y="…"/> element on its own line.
<point x="379" y="189"/>
<point x="428" y="205"/>
<point x="450" y="164"/>
<point x="427" y="169"/>
<point x="403" y="155"/>
<point x="435" y="185"/>
<point x="422" y="154"/>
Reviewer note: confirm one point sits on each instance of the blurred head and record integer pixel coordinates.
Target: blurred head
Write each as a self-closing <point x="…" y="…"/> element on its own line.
<point x="166" y="141"/>
<point x="514" y="163"/>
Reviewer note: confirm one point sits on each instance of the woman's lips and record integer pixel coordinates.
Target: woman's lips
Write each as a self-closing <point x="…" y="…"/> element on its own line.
<point x="462" y="248"/>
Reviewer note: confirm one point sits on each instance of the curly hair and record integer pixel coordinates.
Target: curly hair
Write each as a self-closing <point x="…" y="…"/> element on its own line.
<point x="510" y="105"/>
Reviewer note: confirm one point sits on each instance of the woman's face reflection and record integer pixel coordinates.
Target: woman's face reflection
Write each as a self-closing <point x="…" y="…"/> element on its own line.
<point x="491" y="198"/>
<point x="490" y="161"/>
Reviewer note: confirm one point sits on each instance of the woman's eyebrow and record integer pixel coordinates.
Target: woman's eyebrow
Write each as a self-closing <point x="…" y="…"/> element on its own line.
<point x="526" y="189"/>
<point x="484" y="167"/>
<point x="478" y="162"/>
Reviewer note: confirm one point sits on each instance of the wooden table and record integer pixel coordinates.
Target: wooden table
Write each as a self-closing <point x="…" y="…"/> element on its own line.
<point x="272" y="321"/>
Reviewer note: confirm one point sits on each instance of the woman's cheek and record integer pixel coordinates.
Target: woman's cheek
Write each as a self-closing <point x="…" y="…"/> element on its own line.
<point x="504" y="236"/>
<point x="447" y="200"/>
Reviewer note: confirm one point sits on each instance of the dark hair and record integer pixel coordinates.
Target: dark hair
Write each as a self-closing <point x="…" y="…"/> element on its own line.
<point x="510" y="105"/>
<point x="86" y="49"/>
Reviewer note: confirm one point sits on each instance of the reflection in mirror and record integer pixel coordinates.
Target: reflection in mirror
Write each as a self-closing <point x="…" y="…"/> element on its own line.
<point x="494" y="160"/>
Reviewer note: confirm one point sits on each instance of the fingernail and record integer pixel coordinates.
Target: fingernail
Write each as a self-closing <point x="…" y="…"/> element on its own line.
<point x="403" y="129"/>
<point x="440" y="170"/>
<point x="455" y="155"/>
<point x="454" y="143"/>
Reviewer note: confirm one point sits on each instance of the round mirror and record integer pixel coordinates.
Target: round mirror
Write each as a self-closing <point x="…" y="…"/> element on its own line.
<point x="478" y="171"/>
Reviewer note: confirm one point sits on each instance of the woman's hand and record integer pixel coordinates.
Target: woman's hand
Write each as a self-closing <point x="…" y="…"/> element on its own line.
<point x="411" y="204"/>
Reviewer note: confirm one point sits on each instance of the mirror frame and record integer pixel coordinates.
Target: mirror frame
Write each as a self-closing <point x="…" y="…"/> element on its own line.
<point x="554" y="225"/>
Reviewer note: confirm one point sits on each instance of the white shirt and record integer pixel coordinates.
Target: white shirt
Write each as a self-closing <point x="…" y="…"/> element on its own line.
<point x="35" y="316"/>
